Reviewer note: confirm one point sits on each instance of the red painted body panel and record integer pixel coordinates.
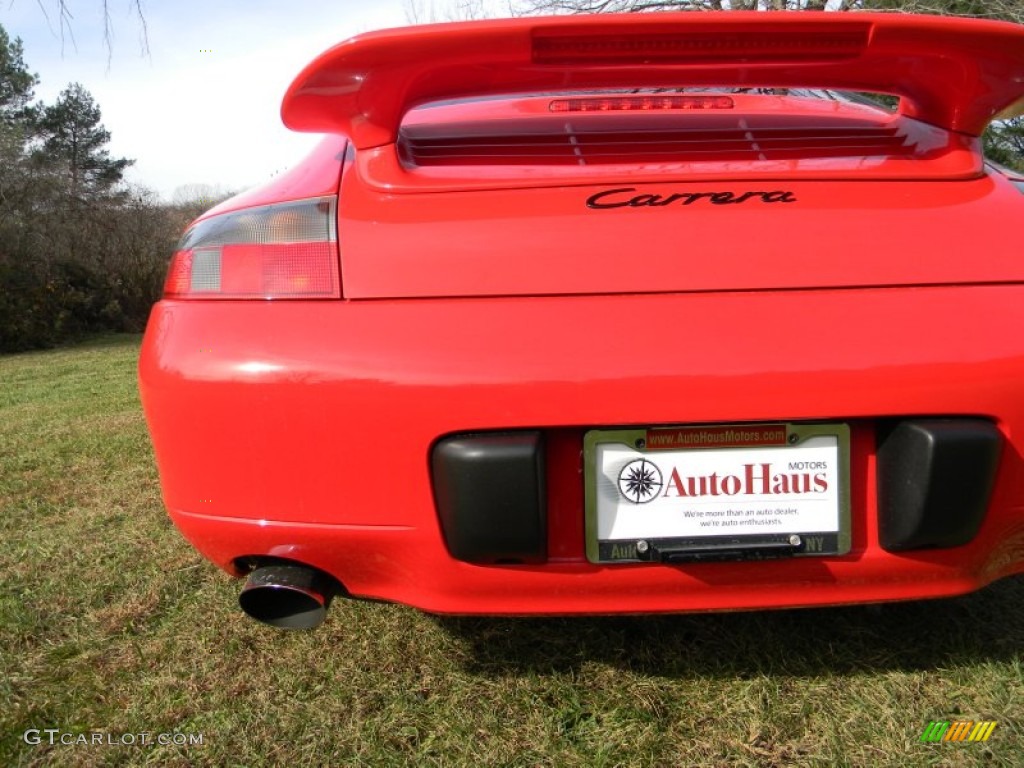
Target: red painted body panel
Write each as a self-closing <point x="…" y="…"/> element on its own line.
<point x="851" y="288"/>
<point x="292" y="429"/>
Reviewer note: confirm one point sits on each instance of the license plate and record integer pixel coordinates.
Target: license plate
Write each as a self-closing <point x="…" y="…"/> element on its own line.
<point x="719" y="492"/>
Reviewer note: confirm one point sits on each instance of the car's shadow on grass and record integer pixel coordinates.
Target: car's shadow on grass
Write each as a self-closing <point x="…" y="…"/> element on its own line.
<point x="933" y="634"/>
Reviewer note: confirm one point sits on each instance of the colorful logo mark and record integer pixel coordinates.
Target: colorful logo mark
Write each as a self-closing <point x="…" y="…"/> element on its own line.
<point x="958" y="730"/>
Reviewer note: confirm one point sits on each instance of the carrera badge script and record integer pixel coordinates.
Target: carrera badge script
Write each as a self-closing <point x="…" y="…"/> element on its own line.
<point x="625" y="197"/>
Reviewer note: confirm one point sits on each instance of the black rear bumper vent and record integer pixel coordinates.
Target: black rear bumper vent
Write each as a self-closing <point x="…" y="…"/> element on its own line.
<point x="935" y="478"/>
<point x="490" y="496"/>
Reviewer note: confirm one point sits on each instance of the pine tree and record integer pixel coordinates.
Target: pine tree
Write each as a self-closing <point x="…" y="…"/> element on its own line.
<point x="16" y="93"/>
<point x="74" y="139"/>
<point x="16" y="82"/>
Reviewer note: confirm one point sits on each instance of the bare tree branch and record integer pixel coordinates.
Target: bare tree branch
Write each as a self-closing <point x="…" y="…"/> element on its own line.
<point x="66" y="18"/>
<point x="432" y="11"/>
<point x="64" y="23"/>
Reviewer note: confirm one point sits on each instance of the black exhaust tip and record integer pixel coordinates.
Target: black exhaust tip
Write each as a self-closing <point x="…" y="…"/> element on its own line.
<point x="288" y="596"/>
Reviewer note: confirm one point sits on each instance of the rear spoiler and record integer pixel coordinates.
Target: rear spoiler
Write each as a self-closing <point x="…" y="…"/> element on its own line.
<point x="958" y="74"/>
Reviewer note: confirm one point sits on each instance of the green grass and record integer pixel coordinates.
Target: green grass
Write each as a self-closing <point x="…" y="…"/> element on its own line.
<point x="109" y="622"/>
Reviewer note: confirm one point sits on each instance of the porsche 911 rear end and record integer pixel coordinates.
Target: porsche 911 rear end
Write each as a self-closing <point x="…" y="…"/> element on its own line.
<point x="611" y="314"/>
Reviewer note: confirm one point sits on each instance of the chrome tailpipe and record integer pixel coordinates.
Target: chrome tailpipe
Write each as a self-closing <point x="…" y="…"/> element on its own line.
<point x="288" y="595"/>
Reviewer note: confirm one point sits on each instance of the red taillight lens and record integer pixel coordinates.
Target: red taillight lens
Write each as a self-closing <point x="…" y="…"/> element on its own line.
<point x="282" y="251"/>
<point x="651" y="103"/>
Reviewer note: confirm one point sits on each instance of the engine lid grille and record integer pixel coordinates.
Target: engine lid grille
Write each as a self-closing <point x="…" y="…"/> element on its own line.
<point x="586" y="142"/>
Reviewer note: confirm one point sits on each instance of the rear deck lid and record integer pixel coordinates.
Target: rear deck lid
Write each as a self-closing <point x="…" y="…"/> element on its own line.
<point x="626" y="237"/>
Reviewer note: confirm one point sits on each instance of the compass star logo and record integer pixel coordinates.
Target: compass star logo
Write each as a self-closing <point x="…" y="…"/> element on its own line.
<point x="640" y="481"/>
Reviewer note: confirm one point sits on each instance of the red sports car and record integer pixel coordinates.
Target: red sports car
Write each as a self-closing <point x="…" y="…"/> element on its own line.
<point x="611" y="314"/>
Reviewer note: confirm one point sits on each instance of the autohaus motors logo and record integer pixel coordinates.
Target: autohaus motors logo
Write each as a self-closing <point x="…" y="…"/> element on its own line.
<point x="641" y="481"/>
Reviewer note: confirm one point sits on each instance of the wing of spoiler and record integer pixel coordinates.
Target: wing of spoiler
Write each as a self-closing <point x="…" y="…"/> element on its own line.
<point x="958" y="74"/>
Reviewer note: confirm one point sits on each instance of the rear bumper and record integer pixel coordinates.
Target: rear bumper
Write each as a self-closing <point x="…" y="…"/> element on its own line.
<point x="396" y="565"/>
<point x="304" y="430"/>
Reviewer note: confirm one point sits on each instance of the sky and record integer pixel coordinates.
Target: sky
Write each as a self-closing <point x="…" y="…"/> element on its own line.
<point x="203" y="105"/>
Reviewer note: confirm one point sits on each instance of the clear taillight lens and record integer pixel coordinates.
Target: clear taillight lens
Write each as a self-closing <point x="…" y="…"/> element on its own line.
<point x="281" y="251"/>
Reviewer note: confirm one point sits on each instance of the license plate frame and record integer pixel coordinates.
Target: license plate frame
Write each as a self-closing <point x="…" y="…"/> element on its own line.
<point x="793" y="515"/>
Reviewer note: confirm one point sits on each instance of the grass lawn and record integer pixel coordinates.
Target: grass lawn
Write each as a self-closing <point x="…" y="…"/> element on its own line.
<point x="110" y="623"/>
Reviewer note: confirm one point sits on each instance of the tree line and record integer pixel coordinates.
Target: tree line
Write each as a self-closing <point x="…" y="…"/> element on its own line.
<point x="80" y="251"/>
<point x="1009" y="10"/>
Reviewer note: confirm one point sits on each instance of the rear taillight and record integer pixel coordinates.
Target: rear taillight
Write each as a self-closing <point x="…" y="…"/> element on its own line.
<point x="281" y="251"/>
